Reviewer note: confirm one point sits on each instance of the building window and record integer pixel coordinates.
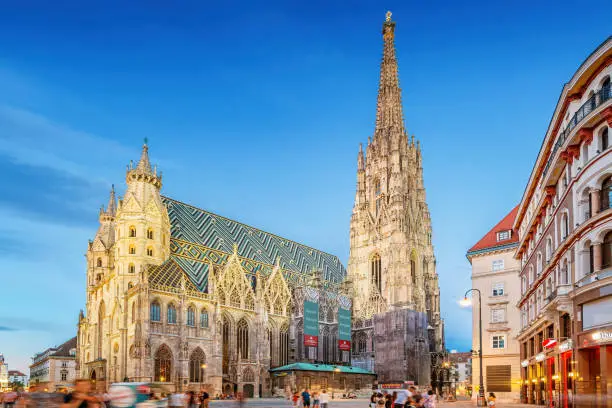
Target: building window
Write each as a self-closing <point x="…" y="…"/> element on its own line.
<point x="197" y="364"/>
<point x="99" y="263"/>
<point x="131" y="268"/>
<point x="504" y="235"/>
<point x="539" y="263"/>
<point x="606" y="249"/>
<point x="163" y="364"/>
<point x="375" y="266"/>
<point x="548" y="249"/>
<point x="499" y="342"/>
<point x="498" y="315"/>
<point x="204" y="318"/>
<point x="283" y="337"/>
<point x="149" y="251"/>
<point x="155" y="312"/>
<point x="498" y="265"/>
<point x="132" y="232"/>
<point x="523" y="284"/>
<point x="149" y="233"/>
<point x="498" y="289"/>
<point x="413" y="272"/>
<point x="242" y="335"/>
<point x="64" y="375"/>
<point x="190" y="316"/>
<point x="531" y="274"/>
<point x="604" y="139"/>
<point x="377" y="196"/>
<point x="606" y="194"/>
<point x="132" y="250"/>
<point x="564" y="226"/>
<point x="171" y="314"/>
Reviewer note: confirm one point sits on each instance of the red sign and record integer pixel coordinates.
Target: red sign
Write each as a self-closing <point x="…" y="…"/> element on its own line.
<point x="549" y="343"/>
<point x="311" y="341"/>
<point x="344" y="345"/>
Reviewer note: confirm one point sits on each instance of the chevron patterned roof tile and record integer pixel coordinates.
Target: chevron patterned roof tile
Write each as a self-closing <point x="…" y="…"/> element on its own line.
<point x="199" y="236"/>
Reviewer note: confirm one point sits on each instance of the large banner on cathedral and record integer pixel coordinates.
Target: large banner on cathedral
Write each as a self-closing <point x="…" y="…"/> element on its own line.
<point x="344" y="329"/>
<point x="311" y="324"/>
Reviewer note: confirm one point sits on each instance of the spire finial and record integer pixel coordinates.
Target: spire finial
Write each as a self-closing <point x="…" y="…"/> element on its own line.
<point x="388" y="16"/>
<point x="146" y="141"/>
<point x="235" y="248"/>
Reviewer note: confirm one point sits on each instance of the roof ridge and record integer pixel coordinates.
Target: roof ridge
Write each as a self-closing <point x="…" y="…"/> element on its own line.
<point x="247" y="225"/>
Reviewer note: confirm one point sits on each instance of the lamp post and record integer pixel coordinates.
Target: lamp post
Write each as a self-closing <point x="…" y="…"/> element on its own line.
<point x="466" y="302"/>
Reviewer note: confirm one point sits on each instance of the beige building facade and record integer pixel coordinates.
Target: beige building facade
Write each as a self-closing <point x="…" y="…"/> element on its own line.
<point x="495" y="273"/>
<point x="565" y="248"/>
<point x="54" y="369"/>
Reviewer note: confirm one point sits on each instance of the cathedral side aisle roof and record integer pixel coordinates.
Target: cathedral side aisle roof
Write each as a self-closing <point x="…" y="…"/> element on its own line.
<point x="200" y="238"/>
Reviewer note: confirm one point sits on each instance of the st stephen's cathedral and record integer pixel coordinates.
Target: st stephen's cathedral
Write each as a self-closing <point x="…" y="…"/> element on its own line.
<point x="186" y="298"/>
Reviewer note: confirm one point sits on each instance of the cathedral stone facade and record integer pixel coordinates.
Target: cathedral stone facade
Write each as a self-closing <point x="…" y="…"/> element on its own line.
<point x="188" y="299"/>
<point x="392" y="264"/>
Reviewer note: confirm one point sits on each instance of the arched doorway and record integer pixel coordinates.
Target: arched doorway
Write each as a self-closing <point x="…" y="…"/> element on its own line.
<point x="249" y="390"/>
<point x="92" y="376"/>
<point x="227" y="389"/>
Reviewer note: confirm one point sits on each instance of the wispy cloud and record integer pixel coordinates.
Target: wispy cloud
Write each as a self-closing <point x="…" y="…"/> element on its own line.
<point x="5" y="328"/>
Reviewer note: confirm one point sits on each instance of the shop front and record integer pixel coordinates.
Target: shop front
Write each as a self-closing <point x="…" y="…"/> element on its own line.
<point x="593" y="373"/>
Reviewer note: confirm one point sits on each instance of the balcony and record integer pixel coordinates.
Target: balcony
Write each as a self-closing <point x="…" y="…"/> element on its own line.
<point x="594" y="277"/>
<point x="594" y="102"/>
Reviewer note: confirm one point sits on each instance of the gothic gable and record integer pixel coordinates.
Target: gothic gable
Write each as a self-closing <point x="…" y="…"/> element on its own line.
<point x="277" y="295"/>
<point x="232" y="286"/>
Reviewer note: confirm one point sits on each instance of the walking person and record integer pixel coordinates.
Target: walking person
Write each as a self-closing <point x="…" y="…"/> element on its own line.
<point x="204" y="399"/>
<point x="306" y="398"/>
<point x="491" y="399"/>
<point x="324" y="399"/>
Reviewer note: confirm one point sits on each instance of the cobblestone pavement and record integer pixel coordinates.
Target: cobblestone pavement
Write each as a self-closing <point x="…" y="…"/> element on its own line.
<point x="361" y="403"/>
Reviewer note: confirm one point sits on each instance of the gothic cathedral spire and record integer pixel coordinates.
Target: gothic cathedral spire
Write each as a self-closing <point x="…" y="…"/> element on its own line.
<point x="391" y="262"/>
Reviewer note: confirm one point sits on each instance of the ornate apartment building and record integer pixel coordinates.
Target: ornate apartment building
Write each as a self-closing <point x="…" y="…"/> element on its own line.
<point x="564" y="223"/>
<point x="495" y="273"/>
<point x="392" y="263"/>
<point x="54" y="369"/>
<point x="185" y="298"/>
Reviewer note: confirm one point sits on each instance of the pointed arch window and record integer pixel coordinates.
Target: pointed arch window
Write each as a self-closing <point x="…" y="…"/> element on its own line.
<point x="191" y="316"/>
<point x="197" y="364"/>
<point x="163" y="364"/>
<point x="132" y="250"/>
<point x="283" y="345"/>
<point x="171" y="314"/>
<point x="413" y="271"/>
<point x="155" y="311"/>
<point x="242" y="337"/>
<point x="131" y="268"/>
<point x="150" y="233"/>
<point x="226" y="346"/>
<point x="375" y="270"/>
<point x="204" y="318"/>
<point x="132" y="231"/>
<point x="99" y="262"/>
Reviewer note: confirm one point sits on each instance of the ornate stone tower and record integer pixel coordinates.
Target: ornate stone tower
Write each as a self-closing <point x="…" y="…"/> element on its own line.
<point x="392" y="263"/>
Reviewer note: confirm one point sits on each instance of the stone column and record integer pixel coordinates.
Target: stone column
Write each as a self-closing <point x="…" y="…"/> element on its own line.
<point x="597" y="256"/>
<point x="595" y="202"/>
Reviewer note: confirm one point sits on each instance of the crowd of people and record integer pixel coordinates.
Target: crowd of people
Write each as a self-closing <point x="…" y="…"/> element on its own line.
<point x="314" y="400"/>
<point x="409" y="398"/>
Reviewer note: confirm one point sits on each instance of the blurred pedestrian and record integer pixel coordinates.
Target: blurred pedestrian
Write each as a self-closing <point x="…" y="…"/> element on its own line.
<point x="80" y="397"/>
<point x="204" y="399"/>
<point x="323" y="399"/>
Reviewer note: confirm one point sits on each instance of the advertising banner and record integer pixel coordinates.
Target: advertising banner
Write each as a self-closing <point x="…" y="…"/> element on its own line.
<point x="344" y="329"/>
<point x="311" y="324"/>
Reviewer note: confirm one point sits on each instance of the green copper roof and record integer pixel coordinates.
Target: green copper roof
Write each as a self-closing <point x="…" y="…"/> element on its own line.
<point x="321" y="367"/>
<point x="199" y="238"/>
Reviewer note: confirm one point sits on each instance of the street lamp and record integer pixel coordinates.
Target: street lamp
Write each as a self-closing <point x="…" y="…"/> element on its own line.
<point x="466" y="302"/>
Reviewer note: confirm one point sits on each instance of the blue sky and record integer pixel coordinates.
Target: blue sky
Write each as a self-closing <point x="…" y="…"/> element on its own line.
<point x="255" y="110"/>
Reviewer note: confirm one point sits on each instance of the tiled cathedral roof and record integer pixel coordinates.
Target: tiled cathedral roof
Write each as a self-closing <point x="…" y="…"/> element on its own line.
<point x="199" y="237"/>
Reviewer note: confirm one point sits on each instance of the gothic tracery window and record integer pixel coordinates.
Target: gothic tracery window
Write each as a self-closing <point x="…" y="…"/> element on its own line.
<point x="413" y="271"/>
<point x="377" y="195"/>
<point x="171" y="314"/>
<point x="283" y="345"/>
<point x="191" y="316"/>
<point x="375" y="270"/>
<point x="163" y="364"/>
<point x="242" y="337"/>
<point x="197" y="361"/>
<point x="155" y="311"/>
<point x="204" y="318"/>
<point x="226" y="346"/>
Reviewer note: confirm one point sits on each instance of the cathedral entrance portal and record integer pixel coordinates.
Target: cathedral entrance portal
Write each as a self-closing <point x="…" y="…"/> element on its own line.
<point x="249" y="390"/>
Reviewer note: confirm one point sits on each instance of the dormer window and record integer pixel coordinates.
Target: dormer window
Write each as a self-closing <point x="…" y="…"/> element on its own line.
<point x="504" y="235"/>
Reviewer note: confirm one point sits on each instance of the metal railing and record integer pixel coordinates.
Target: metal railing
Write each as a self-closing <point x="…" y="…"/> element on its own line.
<point x="595" y="101"/>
